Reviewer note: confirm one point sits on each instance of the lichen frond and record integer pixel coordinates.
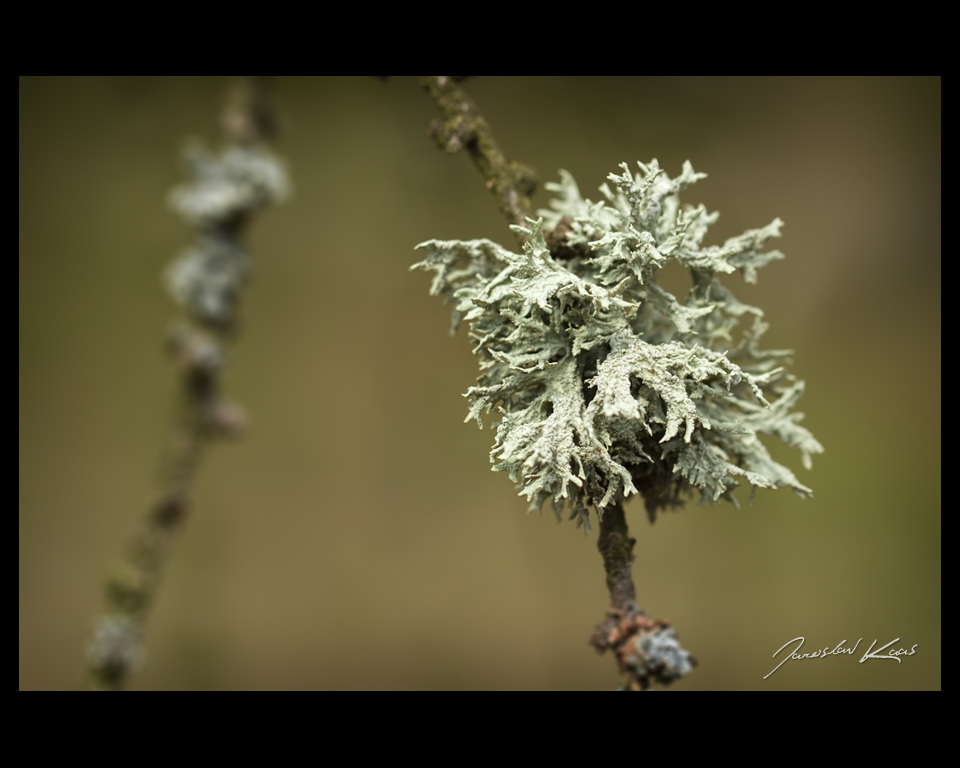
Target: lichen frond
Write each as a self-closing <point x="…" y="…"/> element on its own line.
<point x="606" y="384"/>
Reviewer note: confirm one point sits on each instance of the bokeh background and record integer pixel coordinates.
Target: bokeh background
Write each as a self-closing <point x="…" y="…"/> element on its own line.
<point x="356" y="538"/>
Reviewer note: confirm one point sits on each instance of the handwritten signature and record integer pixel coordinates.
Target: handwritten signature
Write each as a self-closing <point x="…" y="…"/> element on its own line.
<point x="839" y="650"/>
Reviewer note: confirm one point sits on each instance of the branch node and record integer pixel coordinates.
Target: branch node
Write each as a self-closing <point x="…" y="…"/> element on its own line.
<point x="647" y="650"/>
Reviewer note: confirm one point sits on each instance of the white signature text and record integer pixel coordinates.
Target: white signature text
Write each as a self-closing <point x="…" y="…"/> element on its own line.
<point x="839" y="650"/>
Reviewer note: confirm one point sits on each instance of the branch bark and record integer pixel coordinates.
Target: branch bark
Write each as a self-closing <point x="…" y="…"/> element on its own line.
<point x="616" y="548"/>
<point x="647" y="650"/>
<point x="461" y="126"/>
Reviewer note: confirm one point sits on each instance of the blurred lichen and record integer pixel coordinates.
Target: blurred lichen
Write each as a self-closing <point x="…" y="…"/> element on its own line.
<point x="224" y="191"/>
<point x="115" y="647"/>
<point x="608" y="385"/>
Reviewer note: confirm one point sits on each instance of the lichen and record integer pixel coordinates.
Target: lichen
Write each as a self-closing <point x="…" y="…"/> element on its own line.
<point x="225" y="189"/>
<point x="606" y="384"/>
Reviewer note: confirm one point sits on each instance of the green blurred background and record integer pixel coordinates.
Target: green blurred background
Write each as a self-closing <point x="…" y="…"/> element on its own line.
<point x="356" y="538"/>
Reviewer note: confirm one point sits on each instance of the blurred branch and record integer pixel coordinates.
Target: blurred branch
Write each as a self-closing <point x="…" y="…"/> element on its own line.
<point x="249" y="116"/>
<point x="461" y="126"/>
<point x="207" y="279"/>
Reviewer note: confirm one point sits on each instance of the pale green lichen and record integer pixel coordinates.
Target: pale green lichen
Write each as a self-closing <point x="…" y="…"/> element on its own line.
<point x="607" y="384"/>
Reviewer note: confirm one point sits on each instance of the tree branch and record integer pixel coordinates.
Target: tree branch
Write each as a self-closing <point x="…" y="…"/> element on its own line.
<point x="202" y="414"/>
<point x="647" y="650"/>
<point x="616" y="548"/>
<point x="461" y="126"/>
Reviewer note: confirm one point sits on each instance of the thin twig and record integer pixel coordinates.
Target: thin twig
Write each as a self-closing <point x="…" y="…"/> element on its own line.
<point x="461" y="126"/>
<point x="647" y="650"/>
<point x="616" y="548"/>
<point x="249" y="116"/>
<point x="202" y="415"/>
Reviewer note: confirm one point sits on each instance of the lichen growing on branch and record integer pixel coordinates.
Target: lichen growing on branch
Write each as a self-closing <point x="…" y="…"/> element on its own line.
<point x="606" y="384"/>
<point x="224" y="191"/>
